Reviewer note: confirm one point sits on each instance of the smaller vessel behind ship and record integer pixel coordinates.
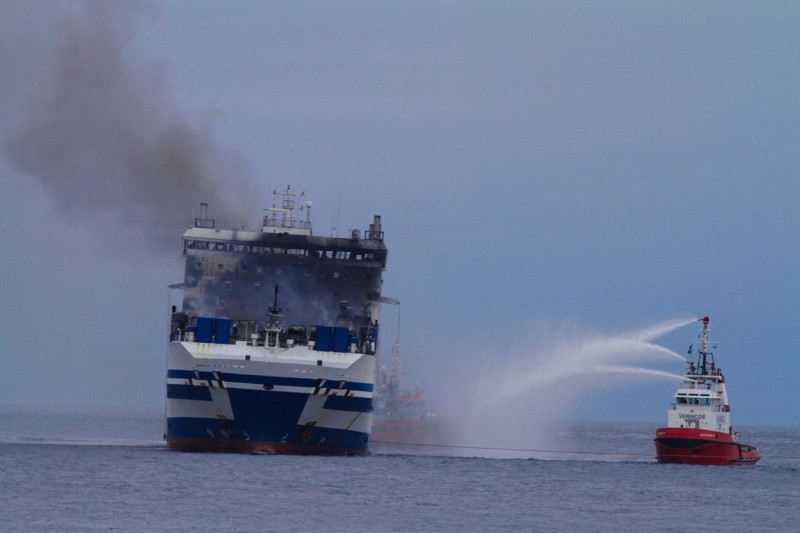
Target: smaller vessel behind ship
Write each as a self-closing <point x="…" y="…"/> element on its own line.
<point x="403" y="416"/>
<point x="698" y="423"/>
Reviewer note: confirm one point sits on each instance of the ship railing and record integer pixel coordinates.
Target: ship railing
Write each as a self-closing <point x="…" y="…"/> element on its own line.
<point x="249" y="331"/>
<point x="699" y="382"/>
<point x="373" y="235"/>
<point x="286" y="223"/>
<point x="206" y="223"/>
<point x="720" y="408"/>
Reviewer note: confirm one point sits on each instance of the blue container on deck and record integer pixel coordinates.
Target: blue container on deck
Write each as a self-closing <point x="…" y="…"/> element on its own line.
<point x="205" y="325"/>
<point x="222" y="330"/>
<point x="324" y="339"/>
<point x="341" y="340"/>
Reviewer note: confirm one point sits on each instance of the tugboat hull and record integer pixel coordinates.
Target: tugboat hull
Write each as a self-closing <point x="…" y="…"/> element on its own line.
<point x="702" y="447"/>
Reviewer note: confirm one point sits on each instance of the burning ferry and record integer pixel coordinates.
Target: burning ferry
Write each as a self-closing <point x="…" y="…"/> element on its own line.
<point x="698" y="423"/>
<point x="272" y="348"/>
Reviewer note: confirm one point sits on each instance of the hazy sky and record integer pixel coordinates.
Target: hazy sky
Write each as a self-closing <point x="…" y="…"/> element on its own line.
<point x="552" y="177"/>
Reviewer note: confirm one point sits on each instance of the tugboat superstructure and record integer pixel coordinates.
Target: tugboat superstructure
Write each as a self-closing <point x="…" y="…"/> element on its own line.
<point x="245" y="375"/>
<point x="698" y="423"/>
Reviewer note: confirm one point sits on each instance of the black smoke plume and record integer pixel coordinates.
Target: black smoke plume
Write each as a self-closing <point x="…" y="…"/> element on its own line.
<point x="101" y="134"/>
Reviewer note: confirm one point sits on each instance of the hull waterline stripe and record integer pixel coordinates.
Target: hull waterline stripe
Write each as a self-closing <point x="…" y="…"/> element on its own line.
<point x="230" y="377"/>
<point x="203" y="384"/>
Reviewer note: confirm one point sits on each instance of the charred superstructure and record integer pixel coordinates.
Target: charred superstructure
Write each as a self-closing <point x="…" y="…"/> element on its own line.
<point x="322" y="279"/>
<point x="273" y="347"/>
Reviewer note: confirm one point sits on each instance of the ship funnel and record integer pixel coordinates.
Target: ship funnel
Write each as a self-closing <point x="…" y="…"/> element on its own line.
<point x="203" y="221"/>
<point x="375" y="232"/>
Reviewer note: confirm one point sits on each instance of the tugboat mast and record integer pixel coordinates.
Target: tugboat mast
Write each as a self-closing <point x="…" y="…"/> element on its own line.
<point x="703" y="355"/>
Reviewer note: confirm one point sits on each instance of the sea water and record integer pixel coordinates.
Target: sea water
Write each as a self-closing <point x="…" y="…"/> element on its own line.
<point x="79" y="469"/>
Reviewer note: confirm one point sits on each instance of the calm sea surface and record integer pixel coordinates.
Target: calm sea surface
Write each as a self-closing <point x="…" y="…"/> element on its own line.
<point x="107" y="470"/>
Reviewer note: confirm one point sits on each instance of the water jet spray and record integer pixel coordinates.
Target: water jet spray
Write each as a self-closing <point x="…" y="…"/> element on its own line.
<point x="519" y="400"/>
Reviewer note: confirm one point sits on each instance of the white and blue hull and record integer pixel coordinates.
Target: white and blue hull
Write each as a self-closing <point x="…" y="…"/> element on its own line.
<point x="243" y="398"/>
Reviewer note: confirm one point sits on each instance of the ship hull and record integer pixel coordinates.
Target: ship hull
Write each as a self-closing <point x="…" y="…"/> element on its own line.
<point x="702" y="447"/>
<point x="257" y="447"/>
<point x="225" y="402"/>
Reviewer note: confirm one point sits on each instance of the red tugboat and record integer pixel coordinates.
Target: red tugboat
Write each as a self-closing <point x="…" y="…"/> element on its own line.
<point x="698" y="428"/>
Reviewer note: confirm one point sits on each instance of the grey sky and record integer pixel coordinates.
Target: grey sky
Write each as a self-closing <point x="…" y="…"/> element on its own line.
<point x="547" y="172"/>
